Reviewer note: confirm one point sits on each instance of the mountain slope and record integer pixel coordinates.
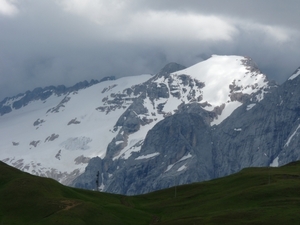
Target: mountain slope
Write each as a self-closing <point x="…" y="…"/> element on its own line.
<point x="55" y="137"/>
<point x="252" y="196"/>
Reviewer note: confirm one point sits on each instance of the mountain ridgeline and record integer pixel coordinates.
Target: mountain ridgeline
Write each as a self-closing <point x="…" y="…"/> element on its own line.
<point x="150" y="132"/>
<point x="44" y="93"/>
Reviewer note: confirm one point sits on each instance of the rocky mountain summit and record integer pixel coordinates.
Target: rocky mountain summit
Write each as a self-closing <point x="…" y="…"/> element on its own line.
<point x="144" y="133"/>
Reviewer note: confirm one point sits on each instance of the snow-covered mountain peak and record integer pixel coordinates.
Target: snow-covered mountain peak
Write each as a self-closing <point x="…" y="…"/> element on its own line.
<point x="218" y="85"/>
<point x="223" y="75"/>
<point x="227" y="82"/>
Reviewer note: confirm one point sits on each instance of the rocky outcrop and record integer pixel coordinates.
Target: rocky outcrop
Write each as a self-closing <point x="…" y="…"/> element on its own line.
<point x="170" y="68"/>
<point x="74" y="121"/>
<point x="38" y="122"/>
<point x="34" y="143"/>
<point x="52" y="137"/>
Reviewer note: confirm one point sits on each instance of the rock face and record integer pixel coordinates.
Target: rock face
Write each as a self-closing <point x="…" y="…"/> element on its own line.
<point x="174" y="143"/>
<point x="170" y="68"/>
<point x="262" y="134"/>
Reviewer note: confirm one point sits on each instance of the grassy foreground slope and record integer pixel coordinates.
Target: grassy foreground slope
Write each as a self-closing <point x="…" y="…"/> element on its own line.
<point x="252" y="196"/>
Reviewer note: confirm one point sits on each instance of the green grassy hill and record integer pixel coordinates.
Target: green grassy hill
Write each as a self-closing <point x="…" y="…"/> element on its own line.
<point x="252" y="196"/>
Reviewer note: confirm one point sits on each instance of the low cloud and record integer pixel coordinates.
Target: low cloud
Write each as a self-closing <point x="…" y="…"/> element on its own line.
<point x="7" y="8"/>
<point x="175" y="28"/>
<point x="102" y="12"/>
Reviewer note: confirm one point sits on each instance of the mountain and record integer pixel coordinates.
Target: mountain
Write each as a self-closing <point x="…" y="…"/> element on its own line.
<point x="261" y="134"/>
<point x="252" y="196"/>
<point x="147" y="127"/>
<point x="184" y="106"/>
<point x="185" y="148"/>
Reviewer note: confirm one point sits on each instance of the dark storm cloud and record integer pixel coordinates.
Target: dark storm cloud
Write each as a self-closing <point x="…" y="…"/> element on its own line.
<point x="65" y="41"/>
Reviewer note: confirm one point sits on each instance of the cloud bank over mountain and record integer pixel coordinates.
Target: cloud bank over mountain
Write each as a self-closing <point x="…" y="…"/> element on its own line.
<point x="65" y="41"/>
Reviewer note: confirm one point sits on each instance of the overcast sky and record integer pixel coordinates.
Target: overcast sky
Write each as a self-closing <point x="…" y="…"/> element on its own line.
<point x="52" y="42"/>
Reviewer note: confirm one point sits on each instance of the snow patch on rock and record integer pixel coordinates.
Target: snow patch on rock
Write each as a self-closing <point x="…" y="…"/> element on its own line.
<point x="148" y="156"/>
<point x="296" y="74"/>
